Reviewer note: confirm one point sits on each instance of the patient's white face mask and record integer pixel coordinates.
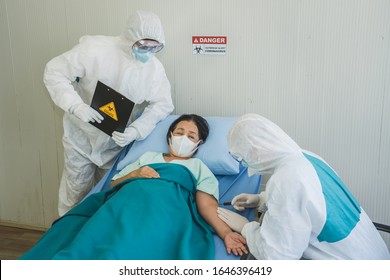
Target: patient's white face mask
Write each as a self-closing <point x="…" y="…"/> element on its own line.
<point x="182" y="146"/>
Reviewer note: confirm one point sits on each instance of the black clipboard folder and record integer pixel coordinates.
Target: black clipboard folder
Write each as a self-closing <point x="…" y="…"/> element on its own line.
<point x="113" y="106"/>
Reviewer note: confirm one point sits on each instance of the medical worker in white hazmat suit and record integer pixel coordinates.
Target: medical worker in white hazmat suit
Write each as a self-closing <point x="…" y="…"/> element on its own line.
<point x="309" y="212"/>
<point x="125" y="63"/>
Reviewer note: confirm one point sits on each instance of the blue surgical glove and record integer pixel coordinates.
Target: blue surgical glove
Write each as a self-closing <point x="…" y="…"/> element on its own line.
<point x="125" y="138"/>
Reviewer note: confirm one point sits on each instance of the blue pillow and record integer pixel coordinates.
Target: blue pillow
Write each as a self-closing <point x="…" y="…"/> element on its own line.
<point x="214" y="152"/>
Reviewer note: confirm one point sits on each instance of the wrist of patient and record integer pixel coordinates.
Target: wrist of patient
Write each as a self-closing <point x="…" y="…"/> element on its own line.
<point x="225" y="233"/>
<point x="133" y="174"/>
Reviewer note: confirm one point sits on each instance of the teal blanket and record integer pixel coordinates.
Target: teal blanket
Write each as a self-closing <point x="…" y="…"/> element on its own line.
<point x="137" y="219"/>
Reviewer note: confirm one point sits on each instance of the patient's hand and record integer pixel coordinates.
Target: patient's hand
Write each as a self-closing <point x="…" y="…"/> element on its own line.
<point x="145" y="172"/>
<point x="235" y="243"/>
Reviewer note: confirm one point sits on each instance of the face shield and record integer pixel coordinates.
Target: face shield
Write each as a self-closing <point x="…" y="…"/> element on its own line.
<point x="259" y="143"/>
<point x="252" y="171"/>
<point x="236" y="157"/>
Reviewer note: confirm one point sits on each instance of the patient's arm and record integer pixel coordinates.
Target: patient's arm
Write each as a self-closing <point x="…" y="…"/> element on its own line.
<point x="207" y="206"/>
<point x="142" y="172"/>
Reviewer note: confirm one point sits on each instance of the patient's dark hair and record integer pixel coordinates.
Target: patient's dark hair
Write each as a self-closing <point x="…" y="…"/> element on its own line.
<point x="200" y="122"/>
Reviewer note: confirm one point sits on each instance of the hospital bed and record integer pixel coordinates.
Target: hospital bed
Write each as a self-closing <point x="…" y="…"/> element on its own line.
<point x="232" y="176"/>
<point x="382" y="227"/>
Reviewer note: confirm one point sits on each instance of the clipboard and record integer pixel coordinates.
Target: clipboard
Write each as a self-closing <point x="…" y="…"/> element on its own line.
<point x="113" y="106"/>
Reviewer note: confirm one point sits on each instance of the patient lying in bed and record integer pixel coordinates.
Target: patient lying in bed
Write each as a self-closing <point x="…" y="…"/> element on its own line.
<point x="170" y="190"/>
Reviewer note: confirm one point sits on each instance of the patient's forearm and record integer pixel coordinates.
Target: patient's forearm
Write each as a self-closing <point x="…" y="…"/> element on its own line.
<point x="121" y="179"/>
<point x="207" y="207"/>
<point x="117" y="181"/>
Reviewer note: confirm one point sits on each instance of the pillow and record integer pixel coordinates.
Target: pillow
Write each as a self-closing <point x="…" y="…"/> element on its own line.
<point x="214" y="152"/>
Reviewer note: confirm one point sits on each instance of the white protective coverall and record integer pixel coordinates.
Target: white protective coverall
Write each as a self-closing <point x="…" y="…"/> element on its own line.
<point x="71" y="79"/>
<point x="311" y="214"/>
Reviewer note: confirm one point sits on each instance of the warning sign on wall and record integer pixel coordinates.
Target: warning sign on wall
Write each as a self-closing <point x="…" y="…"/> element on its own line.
<point x="209" y="45"/>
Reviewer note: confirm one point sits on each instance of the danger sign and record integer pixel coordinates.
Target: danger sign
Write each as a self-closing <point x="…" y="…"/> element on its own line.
<point x="109" y="110"/>
<point x="209" y="45"/>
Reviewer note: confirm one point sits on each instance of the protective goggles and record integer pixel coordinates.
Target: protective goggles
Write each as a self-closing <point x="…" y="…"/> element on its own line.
<point x="153" y="47"/>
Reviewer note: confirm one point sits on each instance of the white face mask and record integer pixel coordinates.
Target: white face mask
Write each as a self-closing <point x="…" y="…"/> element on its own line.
<point x="182" y="146"/>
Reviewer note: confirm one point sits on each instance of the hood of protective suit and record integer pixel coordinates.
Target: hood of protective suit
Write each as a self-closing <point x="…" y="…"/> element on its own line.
<point x="144" y="25"/>
<point x="260" y="143"/>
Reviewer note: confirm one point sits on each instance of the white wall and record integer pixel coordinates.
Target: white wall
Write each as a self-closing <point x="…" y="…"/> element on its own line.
<point x="319" y="69"/>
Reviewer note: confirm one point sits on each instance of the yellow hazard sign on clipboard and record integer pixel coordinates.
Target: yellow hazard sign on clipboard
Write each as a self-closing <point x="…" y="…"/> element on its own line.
<point x="113" y="106"/>
<point x="109" y="110"/>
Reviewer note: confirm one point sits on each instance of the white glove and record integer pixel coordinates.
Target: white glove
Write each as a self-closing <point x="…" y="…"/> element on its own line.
<point x="87" y="114"/>
<point x="245" y="200"/>
<point x="235" y="221"/>
<point x="125" y="138"/>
